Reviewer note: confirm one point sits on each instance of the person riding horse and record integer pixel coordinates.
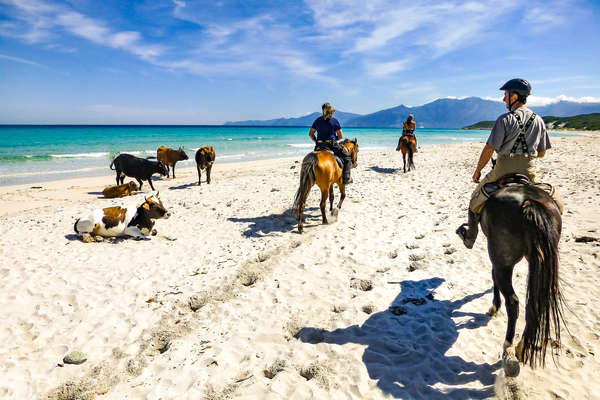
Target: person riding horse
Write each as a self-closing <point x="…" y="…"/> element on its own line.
<point x="408" y="129"/>
<point x="518" y="137"/>
<point x="329" y="132"/>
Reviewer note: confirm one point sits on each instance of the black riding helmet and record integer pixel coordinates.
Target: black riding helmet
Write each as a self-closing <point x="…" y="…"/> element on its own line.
<point x="518" y="86"/>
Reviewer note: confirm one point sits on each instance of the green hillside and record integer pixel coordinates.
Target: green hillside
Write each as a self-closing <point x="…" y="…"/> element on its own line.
<point x="583" y="122"/>
<point x="481" y="125"/>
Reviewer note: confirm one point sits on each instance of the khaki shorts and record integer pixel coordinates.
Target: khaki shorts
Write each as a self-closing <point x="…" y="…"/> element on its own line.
<point x="504" y="165"/>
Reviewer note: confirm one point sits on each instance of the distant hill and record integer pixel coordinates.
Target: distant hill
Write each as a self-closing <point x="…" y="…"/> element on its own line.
<point x="584" y="122"/>
<point x="306" y="120"/>
<point x="441" y="113"/>
<point x="480" y="125"/>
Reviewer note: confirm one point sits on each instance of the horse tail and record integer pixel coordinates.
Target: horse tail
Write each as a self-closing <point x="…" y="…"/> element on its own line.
<point x="75" y="225"/>
<point x="544" y="309"/>
<point x="411" y="164"/>
<point x="307" y="180"/>
<point x="111" y="165"/>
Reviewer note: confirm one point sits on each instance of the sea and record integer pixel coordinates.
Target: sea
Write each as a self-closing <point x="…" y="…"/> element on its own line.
<point x="38" y="153"/>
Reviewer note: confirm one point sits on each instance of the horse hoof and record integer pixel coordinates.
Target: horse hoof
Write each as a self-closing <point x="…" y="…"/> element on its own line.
<point x="493" y="311"/>
<point x="335" y="211"/>
<point x="511" y="364"/>
<point x="520" y="352"/>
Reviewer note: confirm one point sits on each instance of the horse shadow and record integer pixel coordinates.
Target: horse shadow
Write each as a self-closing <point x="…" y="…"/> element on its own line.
<point x="110" y="240"/>
<point x="384" y="170"/>
<point x="267" y="224"/>
<point x="406" y="346"/>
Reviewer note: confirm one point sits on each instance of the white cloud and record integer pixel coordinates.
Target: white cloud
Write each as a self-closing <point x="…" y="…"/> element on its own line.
<point x="384" y="69"/>
<point x="544" y="101"/>
<point x="21" y="60"/>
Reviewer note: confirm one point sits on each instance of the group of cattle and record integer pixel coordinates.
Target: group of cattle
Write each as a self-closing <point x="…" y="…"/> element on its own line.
<point x="138" y="222"/>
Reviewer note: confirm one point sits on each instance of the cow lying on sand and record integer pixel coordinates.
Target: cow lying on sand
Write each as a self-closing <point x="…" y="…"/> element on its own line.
<point x="205" y="157"/>
<point x="126" y="189"/>
<point x="117" y="221"/>
<point x="138" y="168"/>
<point x="169" y="157"/>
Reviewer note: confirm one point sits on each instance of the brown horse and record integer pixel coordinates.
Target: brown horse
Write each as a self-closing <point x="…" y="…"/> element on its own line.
<point x="408" y="144"/>
<point x="320" y="167"/>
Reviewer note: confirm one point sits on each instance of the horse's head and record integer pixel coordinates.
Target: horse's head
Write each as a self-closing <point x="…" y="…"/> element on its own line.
<point x="351" y="147"/>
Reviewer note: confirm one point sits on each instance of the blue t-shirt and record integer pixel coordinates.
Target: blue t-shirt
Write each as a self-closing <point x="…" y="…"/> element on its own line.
<point x="326" y="128"/>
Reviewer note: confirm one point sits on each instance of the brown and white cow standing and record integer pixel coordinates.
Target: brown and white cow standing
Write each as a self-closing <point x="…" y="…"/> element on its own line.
<point x="205" y="157"/>
<point x="169" y="157"/>
<point x="118" y="221"/>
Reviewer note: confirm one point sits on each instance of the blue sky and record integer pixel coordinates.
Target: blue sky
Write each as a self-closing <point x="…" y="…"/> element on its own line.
<point x="206" y="62"/>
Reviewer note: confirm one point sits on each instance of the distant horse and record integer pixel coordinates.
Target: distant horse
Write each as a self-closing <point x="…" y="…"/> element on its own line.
<point x="320" y="167"/>
<point x="523" y="221"/>
<point x="408" y="144"/>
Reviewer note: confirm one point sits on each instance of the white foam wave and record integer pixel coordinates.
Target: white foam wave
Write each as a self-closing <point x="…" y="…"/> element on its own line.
<point x="80" y="155"/>
<point x="232" y="156"/>
<point x="302" y="145"/>
<point x="40" y="173"/>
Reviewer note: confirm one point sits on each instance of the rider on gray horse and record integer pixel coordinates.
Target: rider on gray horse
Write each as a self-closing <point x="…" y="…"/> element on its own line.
<point x="518" y="137"/>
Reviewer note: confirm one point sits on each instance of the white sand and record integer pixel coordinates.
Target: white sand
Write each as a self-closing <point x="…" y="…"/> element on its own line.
<point x="236" y="249"/>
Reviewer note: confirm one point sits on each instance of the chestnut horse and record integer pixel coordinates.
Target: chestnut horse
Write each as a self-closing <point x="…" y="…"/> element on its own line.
<point x="408" y="144"/>
<point x="320" y="167"/>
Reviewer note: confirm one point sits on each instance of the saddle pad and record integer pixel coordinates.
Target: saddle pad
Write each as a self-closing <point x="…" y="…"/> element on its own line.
<point x="513" y="179"/>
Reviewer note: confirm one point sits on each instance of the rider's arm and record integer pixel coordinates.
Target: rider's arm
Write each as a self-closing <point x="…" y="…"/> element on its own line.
<point x="311" y="133"/>
<point x="339" y="134"/>
<point x="485" y="156"/>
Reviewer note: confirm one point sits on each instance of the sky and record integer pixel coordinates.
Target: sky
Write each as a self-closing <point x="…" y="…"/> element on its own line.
<point x="211" y="61"/>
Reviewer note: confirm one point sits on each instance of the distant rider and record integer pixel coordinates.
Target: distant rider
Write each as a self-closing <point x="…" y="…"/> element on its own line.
<point x="518" y="137"/>
<point x="329" y="132"/>
<point x="408" y="128"/>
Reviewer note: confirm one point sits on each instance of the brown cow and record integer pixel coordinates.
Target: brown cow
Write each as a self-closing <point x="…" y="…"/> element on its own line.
<point x="126" y="189"/>
<point x="169" y="157"/>
<point x="205" y="157"/>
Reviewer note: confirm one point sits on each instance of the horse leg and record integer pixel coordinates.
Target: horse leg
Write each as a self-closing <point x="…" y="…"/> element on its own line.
<point x="342" y="188"/>
<point x="331" y="195"/>
<point x="173" y="171"/>
<point x="404" y="160"/>
<point x="199" y="175"/>
<point x="208" y="174"/>
<point x="496" y="302"/>
<point x="323" y="203"/>
<point x="503" y="278"/>
<point x="301" y="218"/>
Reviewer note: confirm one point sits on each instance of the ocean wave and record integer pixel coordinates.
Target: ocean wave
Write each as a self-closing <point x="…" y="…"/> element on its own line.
<point x="302" y="145"/>
<point x="81" y="155"/>
<point x="232" y="156"/>
<point x="42" y="173"/>
<point x="27" y="157"/>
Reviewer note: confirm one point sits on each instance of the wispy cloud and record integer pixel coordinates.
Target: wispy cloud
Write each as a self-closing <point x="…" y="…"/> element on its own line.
<point x="21" y="60"/>
<point x="544" y="101"/>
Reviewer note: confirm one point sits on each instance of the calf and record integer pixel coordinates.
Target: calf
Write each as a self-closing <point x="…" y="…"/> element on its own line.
<point x="138" y="168"/>
<point x="126" y="189"/>
<point x="117" y="221"/>
<point x="169" y="157"/>
<point x="205" y="157"/>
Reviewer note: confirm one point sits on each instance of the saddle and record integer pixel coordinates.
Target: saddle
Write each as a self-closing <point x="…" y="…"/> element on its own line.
<point x="320" y="146"/>
<point x="513" y="179"/>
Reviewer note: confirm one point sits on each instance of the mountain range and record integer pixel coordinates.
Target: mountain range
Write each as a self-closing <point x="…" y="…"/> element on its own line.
<point x="440" y="113"/>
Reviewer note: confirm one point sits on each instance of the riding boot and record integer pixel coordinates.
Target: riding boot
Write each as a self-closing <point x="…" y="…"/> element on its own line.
<point x="469" y="233"/>
<point x="346" y="172"/>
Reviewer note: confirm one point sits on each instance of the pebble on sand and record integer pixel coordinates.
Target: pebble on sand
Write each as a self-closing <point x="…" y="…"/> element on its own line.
<point x="75" y="357"/>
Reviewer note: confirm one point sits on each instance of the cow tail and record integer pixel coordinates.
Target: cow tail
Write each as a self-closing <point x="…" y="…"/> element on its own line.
<point x="75" y="225"/>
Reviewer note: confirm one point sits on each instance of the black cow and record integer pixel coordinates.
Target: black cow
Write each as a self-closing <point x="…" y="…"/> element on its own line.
<point x="138" y="168"/>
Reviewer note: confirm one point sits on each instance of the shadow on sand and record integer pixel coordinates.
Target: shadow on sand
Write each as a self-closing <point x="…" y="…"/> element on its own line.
<point x="184" y="186"/>
<point x="384" y="170"/>
<point x="406" y="353"/>
<point x="265" y="225"/>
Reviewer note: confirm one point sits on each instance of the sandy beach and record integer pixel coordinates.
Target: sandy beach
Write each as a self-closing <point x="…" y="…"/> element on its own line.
<point x="228" y="301"/>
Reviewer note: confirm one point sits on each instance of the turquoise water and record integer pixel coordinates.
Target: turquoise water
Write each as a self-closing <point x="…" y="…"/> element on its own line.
<point x="40" y="153"/>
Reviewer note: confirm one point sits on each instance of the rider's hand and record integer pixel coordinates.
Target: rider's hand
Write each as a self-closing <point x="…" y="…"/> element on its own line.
<point x="476" y="176"/>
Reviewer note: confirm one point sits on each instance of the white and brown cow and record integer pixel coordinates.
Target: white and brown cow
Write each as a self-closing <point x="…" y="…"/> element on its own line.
<point x="118" y="221"/>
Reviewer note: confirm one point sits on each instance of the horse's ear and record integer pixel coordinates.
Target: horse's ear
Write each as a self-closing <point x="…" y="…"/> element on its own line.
<point x="355" y="140"/>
